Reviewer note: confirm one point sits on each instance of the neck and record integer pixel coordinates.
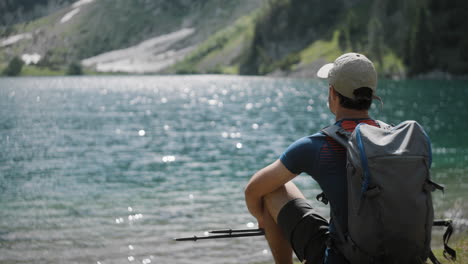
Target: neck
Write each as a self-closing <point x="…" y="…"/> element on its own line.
<point x="343" y="113"/>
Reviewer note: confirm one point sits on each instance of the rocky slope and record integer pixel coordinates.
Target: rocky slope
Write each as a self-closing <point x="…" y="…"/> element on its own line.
<point x="119" y="35"/>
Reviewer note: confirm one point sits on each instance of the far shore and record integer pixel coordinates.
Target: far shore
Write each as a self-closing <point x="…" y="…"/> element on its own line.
<point x="35" y="71"/>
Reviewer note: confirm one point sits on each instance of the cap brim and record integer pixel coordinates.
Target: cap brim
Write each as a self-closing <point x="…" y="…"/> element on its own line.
<point x="323" y="72"/>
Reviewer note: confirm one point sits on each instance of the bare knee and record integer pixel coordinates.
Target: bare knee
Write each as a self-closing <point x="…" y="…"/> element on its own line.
<point x="275" y="200"/>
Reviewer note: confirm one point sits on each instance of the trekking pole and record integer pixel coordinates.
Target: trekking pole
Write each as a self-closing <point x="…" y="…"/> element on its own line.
<point x="226" y="233"/>
<point x="230" y="231"/>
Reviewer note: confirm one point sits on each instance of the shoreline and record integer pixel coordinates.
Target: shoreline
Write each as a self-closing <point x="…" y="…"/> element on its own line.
<point x="34" y="71"/>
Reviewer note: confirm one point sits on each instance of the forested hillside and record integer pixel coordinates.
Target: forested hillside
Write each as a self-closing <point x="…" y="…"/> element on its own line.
<point x="16" y="11"/>
<point x="404" y="38"/>
<point x="252" y="37"/>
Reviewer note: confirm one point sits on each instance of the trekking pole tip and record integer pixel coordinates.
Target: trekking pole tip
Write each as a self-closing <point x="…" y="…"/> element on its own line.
<point x="194" y="238"/>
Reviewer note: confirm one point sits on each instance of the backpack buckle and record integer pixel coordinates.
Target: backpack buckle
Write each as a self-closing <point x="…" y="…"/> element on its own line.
<point x="430" y="186"/>
<point x="322" y="198"/>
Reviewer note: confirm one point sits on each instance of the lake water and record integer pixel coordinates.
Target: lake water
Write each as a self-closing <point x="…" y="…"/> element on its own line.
<point x="110" y="169"/>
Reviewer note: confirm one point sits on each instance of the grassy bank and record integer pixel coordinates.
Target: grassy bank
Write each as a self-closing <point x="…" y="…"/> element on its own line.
<point x="460" y="246"/>
<point x="31" y="70"/>
<point x="38" y="71"/>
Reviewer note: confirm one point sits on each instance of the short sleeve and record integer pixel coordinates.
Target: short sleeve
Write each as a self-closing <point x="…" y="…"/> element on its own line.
<point x="301" y="156"/>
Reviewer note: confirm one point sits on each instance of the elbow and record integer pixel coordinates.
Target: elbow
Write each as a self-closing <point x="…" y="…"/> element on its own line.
<point x="249" y="191"/>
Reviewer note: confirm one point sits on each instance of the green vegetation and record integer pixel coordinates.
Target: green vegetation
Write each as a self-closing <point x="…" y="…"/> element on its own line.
<point x="16" y="11"/>
<point x="14" y="67"/>
<point x="35" y="70"/>
<point x="138" y="20"/>
<point x="287" y="33"/>
<point x="287" y="27"/>
<point x="32" y="70"/>
<point x="74" y="69"/>
<point x="403" y="38"/>
<point x="326" y="49"/>
<point x="460" y="246"/>
<point x="217" y="48"/>
<point x="107" y="25"/>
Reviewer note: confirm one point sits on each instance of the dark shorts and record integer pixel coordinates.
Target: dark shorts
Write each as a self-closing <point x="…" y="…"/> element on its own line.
<point x="305" y="229"/>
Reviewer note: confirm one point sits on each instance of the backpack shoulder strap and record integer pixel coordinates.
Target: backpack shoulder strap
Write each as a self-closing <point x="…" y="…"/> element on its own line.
<point x="449" y="253"/>
<point x="337" y="133"/>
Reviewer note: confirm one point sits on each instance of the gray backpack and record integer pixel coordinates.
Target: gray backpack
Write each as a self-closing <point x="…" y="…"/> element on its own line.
<point x="390" y="212"/>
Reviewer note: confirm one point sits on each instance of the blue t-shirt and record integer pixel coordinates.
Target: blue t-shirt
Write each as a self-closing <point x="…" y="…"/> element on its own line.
<point x="324" y="159"/>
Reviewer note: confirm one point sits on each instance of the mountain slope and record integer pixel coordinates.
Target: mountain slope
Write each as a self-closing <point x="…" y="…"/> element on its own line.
<point x="403" y="38"/>
<point x="17" y="11"/>
<point x="92" y="27"/>
<point x="252" y="37"/>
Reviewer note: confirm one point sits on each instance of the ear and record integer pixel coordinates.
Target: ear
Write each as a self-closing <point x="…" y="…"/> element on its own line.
<point x="332" y="91"/>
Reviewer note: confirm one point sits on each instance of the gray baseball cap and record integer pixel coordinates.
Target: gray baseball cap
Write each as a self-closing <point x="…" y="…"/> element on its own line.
<point x="349" y="72"/>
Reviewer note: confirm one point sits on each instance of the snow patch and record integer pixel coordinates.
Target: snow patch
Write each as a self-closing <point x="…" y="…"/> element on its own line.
<point x="151" y="55"/>
<point x="76" y="9"/>
<point x="69" y="15"/>
<point x="31" y="58"/>
<point x="81" y="3"/>
<point x="13" y="39"/>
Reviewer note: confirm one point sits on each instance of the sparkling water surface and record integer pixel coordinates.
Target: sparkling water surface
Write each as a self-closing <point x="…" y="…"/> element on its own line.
<point x="111" y="169"/>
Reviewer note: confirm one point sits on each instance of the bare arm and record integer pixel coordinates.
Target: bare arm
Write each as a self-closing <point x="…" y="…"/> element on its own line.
<point x="263" y="182"/>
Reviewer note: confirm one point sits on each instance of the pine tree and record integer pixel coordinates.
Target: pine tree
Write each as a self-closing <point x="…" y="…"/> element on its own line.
<point x="14" y="67"/>
<point x="74" y="69"/>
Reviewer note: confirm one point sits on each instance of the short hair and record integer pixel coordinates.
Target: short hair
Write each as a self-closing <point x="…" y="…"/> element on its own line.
<point x="362" y="101"/>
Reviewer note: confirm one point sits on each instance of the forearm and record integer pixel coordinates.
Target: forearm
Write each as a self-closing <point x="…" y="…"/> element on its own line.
<point x="262" y="183"/>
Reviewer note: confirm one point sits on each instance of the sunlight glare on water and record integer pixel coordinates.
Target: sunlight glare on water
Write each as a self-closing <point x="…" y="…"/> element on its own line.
<point x="111" y="169"/>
